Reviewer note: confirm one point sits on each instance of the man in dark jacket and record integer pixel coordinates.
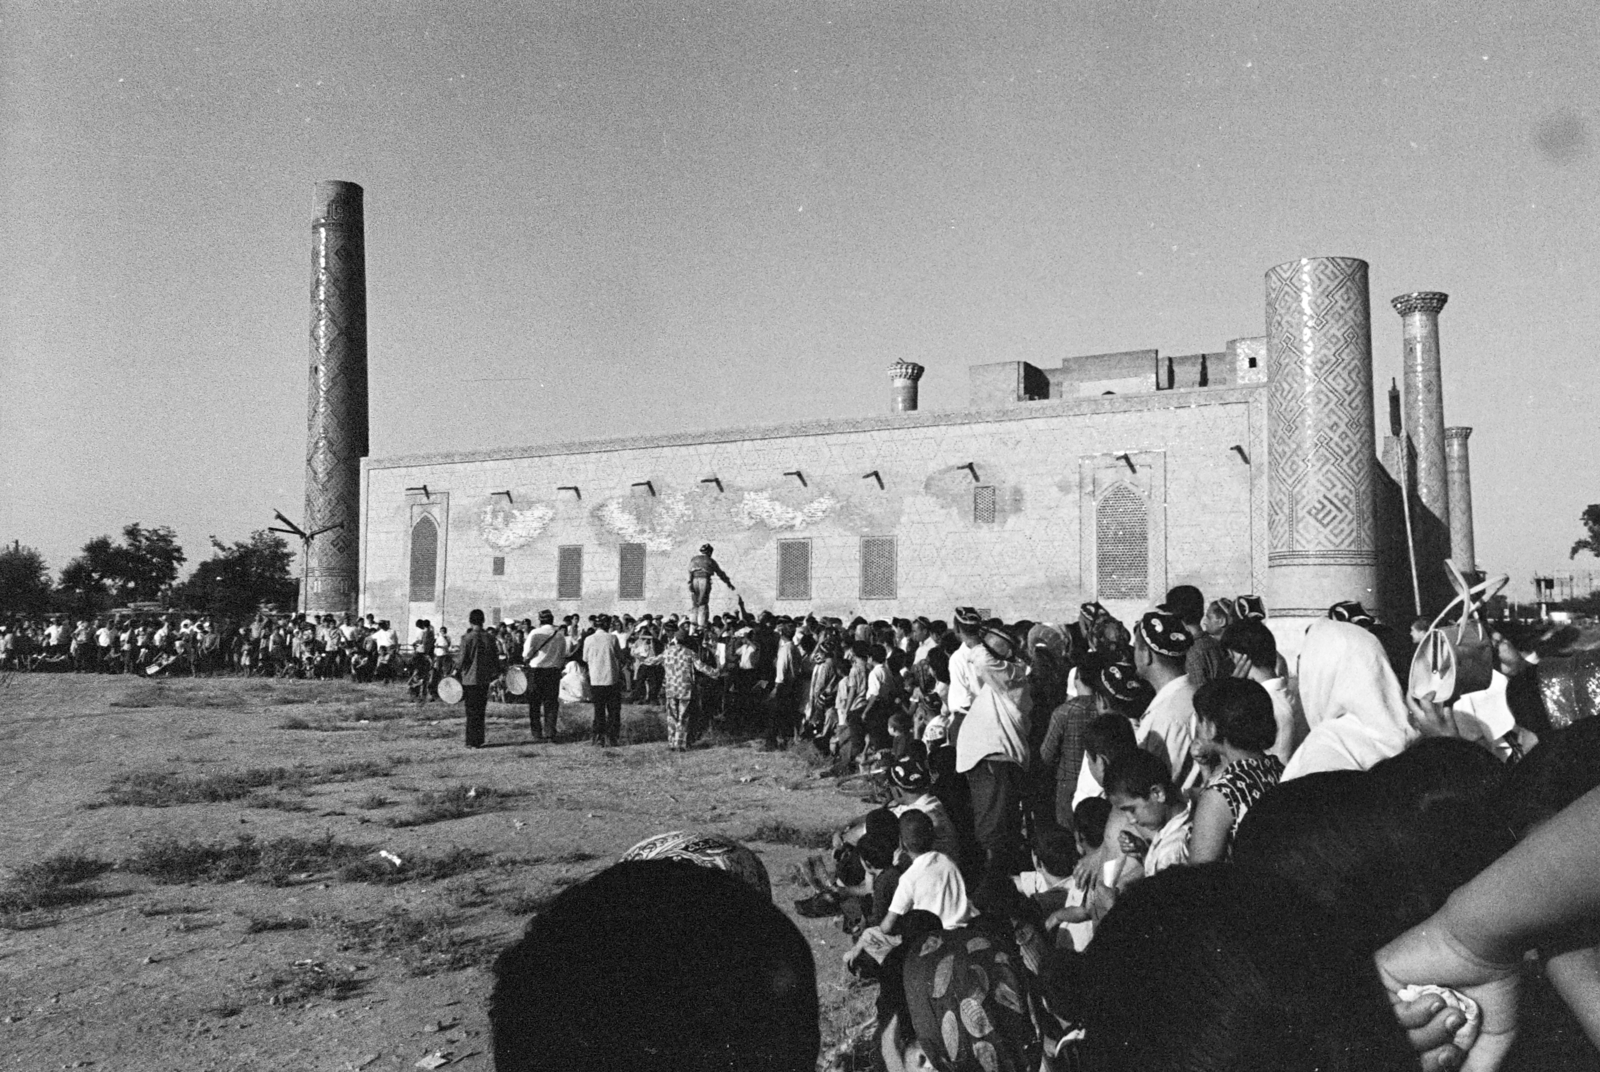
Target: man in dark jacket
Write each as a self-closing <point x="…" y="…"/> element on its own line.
<point x="479" y="665"/>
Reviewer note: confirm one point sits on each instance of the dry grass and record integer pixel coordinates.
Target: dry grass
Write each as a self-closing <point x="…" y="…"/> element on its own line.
<point x="457" y="802"/>
<point x="777" y="832"/>
<point x="425" y="942"/>
<point x="57" y="882"/>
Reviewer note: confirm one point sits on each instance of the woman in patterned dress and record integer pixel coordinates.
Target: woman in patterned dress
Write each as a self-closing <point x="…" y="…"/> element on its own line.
<point x="1235" y="724"/>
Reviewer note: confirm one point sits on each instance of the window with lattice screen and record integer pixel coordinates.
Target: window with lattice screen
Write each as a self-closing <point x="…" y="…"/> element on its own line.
<point x="569" y="572"/>
<point x="1122" y="544"/>
<point x="794" y="569"/>
<point x="878" y="579"/>
<point x="424" y="560"/>
<point x="983" y="504"/>
<point x="497" y="565"/>
<point x="630" y="571"/>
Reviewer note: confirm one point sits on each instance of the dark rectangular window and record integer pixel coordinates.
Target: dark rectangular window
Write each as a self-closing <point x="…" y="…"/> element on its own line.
<point x="497" y="565"/>
<point x="494" y="615"/>
<point x="569" y="572"/>
<point x="424" y="560"/>
<point x="983" y="504"/>
<point x="878" y="567"/>
<point x="794" y="569"/>
<point x="630" y="571"/>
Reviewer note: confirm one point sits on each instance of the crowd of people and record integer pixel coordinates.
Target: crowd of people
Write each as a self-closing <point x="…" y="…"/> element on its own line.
<point x="1155" y="846"/>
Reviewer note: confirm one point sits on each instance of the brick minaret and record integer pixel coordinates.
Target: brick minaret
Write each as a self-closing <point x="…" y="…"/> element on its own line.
<point x="336" y="424"/>
<point x="1459" y="468"/>
<point x="903" y="377"/>
<point x="1321" y="536"/>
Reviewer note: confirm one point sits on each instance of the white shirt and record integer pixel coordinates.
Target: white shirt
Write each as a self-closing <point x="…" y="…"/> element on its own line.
<point x="1286" y="713"/>
<point x="963" y="681"/>
<point x="876" y="677"/>
<point x="545" y="649"/>
<point x="1167" y="728"/>
<point x="923" y="649"/>
<point x="945" y="837"/>
<point x="1171" y="846"/>
<point x="933" y="884"/>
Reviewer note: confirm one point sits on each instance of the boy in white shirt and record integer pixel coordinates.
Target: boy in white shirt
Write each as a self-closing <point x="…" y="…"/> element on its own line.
<point x="931" y="882"/>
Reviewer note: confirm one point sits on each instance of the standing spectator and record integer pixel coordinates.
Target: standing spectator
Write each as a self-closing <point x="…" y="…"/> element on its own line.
<point x="479" y="665"/>
<point x="545" y="654"/>
<point x="603" y="655"/>
<point x="679" y="663"/>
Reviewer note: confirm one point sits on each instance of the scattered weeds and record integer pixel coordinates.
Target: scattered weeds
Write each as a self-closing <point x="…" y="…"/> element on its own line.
<point x="307" y="979"/>
<point x="381" y="871"/>
<point x="56" y="882"/>
<point x="64" y="870"/>
<point x="373" y="801"/>
<point x="168" y="910"/>
<point x="295" y="722"/>
<point x="526" y="903"/>
<point x="777" y="832"/>
<point x="278" y="862"/>
<point x="425" y="942"/>
<point x="164" y="789"/>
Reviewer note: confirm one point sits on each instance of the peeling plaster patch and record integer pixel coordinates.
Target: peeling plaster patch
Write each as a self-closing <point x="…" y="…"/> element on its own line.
<point x="506" y="529"/>
<point x="655" y="523"/>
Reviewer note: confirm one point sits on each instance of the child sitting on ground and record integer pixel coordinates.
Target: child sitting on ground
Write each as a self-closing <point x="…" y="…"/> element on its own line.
<point x="931" y="881"/>
<point x="1073" y="921"/>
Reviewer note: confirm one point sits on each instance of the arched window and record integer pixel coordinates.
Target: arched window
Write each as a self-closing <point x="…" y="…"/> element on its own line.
<point x="1122" y="544"/>
<point x="424" y="560"/>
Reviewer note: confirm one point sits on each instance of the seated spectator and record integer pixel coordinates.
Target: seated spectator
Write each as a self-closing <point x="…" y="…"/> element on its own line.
<point x="931" y="882"/>
<point x="657" y="966"/>
<point x="1075" y="914"/>
<point x="1158" y="817"/>
<point x="1234" y="722"/>
<point x="912" y="787"/>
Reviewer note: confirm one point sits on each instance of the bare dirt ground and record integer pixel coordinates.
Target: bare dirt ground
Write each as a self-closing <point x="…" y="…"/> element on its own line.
<point x="191" y="878"/>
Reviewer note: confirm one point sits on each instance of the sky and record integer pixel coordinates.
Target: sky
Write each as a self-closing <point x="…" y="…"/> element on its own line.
<point x="596" y="219"/>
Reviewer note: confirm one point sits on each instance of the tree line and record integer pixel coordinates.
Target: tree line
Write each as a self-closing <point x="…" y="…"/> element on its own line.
<point x="142" y="567"/>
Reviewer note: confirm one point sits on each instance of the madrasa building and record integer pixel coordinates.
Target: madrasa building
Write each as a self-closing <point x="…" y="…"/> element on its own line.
<point x="1256" y="468"/>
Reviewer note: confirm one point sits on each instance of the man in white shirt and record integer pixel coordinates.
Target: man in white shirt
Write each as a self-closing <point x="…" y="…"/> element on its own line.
<point x="545" y="655"/>
<point x="1160" y="642"/>
<point x="963" y="680"/>
<point x="787" y="671"/>
<point x="930" y="883"/>
<point x="603" y="656"/>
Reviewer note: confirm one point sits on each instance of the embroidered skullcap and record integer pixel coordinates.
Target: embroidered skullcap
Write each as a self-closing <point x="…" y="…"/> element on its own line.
<point x="706" y="549"/>
<point x="1250" y="607"/>
<point x="968" y="617"/>
<point x="1163" y="633"/>
<point x="1351" y="611"/>
<point x="707" y="850"/>
<point x="910" y="774"/>
<point x="1121" y="682"/>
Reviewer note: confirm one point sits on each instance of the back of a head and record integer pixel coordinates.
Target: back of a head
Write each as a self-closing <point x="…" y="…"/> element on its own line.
<point x="1240" y="712"/>
<point x="1214" y="968"/>
<point x="1137" y="774"/>
<point x="1187" y="602"/>
<point x="916" y="831"/>
<point x="1373" y="857"/>
<point x="657" y="966"/>
<point x="1089" y="818"/>
<point x="1110" y="737"/>
<point x="1561" y="768"/>
<point x="1251" y="638"/>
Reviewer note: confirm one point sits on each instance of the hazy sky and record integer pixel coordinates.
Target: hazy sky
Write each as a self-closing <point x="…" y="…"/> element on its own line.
<point x="592" y="219"/>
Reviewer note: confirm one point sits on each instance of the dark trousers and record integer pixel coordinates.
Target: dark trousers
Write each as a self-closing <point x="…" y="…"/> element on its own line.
<point x="997" y="786"/>
<point x="544" y="699"/>
<point x="607" y="701"/>
<point x="476" y="697"/>
<point x="783" y="711"/>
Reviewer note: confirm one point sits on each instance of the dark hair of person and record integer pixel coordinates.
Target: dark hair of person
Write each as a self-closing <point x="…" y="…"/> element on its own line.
<point x="657" y="966"/>
<point x="877" y="850"/>
<point x="938" y="661"/>
<point x="1240" y="710"/>
<point x="1137" y="774"/>
<point x="1213" y="968"/>
<point x="1440" y="771"/>
<point x="878" y="653"/>
<point x="1562" y="767"/>
<point x="475" y="617"/>
<point x="1110" y="737"/>
<point x="860" y="649"/>
<point x="1378" y="859"/>
<point x="1089" y="818"/>
<point x="1187" y="603"/>
<point x="916" y="831"/>
<point x="1252" y="639"/>
<point x="1056" y="850"/>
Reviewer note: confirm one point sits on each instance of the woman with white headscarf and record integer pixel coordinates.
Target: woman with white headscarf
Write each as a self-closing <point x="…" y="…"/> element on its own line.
<point x="1352" y="702"/>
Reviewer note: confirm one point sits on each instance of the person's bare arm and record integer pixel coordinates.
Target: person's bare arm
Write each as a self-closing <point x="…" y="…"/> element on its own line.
<point x="1213" y="819"/>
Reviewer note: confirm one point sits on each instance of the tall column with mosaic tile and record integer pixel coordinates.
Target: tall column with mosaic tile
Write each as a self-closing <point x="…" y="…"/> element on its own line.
<point x="1321" y="537"/>
<point x="903" y="377"/>
<point x="1458" y="467"/>
<point x="336" y="422"/>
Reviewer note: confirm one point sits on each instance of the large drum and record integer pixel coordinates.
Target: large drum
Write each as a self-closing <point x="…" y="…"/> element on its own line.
<point x="516" y="681"/>
<point x="450" y="690"/>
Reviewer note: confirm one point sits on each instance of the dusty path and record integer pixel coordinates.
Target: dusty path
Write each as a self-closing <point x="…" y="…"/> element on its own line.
<point x="360" y="966"/>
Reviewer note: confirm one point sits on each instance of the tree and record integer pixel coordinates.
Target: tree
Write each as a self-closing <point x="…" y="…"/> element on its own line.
<point x="1590" y="543"/>
<point x="237" y="580"/>
<point x="138" y="568"/>
<point x="24" y="581"/>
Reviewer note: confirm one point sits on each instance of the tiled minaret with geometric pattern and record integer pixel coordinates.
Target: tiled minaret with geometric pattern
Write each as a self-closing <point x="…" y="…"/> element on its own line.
<point x="1321" y="530"/>
<point x="336" y="421"/>
<point x="1422" y="388"/>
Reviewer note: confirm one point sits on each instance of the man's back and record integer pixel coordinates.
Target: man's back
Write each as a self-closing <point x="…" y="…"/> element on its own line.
<point x="603" y="657"/>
